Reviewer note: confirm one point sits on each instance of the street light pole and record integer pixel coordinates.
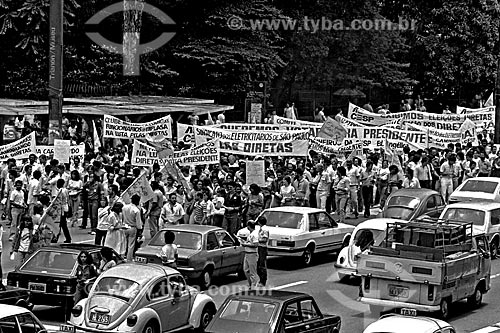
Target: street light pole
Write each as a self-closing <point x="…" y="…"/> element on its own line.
<point x="55" y="69"/>
<point x="497" y="103"/>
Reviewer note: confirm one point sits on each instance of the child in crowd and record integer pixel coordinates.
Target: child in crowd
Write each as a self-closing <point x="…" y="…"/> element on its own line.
<point x="169" y="252"/>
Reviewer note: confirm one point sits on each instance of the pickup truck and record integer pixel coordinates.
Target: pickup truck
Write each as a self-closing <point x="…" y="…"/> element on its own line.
<point x="424" y="267"/>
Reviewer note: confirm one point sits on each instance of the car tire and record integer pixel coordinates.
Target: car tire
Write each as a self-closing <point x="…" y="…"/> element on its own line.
<point x="444" y="309"/>
<point x="150" y="327"/>
<point x="307" y="256"/>
<point x="476" y="299"/>
<point x="494" y="249"/>
<point x="205" y="280"/>
<point x="206" y="317"/>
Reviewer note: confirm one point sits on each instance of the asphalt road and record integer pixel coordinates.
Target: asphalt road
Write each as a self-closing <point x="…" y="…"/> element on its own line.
<point x="321" y="281"/>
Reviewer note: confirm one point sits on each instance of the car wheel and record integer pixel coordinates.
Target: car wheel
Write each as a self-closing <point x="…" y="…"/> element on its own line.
<point x="476" y="299"/>
<point x="444" y="309"/>
<point x="494" y="249"/>
<point x="150" y="328"/>
<point x="206" y="278"/>
<point x="307" y="256"/>
<point x="206" y="317"/>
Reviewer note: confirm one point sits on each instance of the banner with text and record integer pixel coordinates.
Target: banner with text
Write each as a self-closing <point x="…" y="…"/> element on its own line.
<point x="464" y="110"/>
<point x="19" y="149"/>
<point x="120" y="129"/>
<point x="252" y="148"/>
<point x="49" y="150"/>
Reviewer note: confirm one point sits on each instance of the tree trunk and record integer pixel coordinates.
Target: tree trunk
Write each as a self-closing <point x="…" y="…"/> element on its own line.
<point x="132" y="22"/>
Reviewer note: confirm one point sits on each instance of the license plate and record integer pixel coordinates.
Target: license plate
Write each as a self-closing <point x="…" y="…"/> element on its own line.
<point x="409" y="312"/>
<point x="100" y="318"/>
<point x="398" y="291"/>
<point x="38" y="287"/>
<point x="67" y="328"/>
<point x="141" y="259"/>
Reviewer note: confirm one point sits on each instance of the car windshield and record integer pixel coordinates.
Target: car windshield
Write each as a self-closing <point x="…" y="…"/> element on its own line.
<point x="479" y="186"/>
<point x="400" y="213"/>
<point x="248" y="311"/>
<point x="283" y="219"/>
<point x="117" y="287"/>
<point x="464" y="215"/>
<point x="51" y="262"/>
<point x="183" y="240"/>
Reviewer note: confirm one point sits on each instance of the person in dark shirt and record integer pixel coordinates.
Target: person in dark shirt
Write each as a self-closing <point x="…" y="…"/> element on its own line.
<point x="232" y="205"/>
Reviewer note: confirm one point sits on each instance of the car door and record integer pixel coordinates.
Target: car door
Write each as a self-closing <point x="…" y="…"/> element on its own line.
<point x="29" y="324"/>
<point x="232" y="254"/>
<point x="214" y="252"/>
<point x="303" y="316"/>
<point x="428" y="208"/>
<point x="180" y="305"/>
<point x="494" y="227"/>
<point x="9" y="325"/>
<point x="326" y="233"/>
<point x="161" y="302"/>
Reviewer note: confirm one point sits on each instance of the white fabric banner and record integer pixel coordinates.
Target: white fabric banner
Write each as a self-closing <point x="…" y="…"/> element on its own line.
<point x="116" y="128"/>
<point x="19" y="149"/>
<point x="464" y="110"/>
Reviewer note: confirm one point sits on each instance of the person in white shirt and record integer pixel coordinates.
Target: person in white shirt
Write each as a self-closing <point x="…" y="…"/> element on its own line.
<point x="34" y="190"/>
<point x="251" y="256"/>
<point x="410" y="181"/>
<point x="132" y="221"/>
<point x="169" y="253"/>
<point x="354" y="174"/>
<point x="172" y="212"/>
<point x="382" y="180"/>
<point x="2" y="287"/>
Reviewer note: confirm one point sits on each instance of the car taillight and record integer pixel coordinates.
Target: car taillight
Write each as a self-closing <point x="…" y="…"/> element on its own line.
<point x="430" y="292"/>
<point x="77" y="311"/>
<point x="286" y="243"/>
<point x="67" y="289"/>
<point x="367" y="283"/>
<point x="58" y="288"/>
<point x="131" y="320"/>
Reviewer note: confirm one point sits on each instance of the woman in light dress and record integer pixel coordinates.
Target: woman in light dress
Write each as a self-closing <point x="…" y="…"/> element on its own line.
<point x="115" y="237"/>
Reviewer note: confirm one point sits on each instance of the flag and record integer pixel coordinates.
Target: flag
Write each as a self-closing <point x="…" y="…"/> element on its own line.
<point x="140" y="187"/>
<point x="489" y="101"/>
<point x="332" y="130"/>
<point x="210" y="121"/>
<point x="97" y="141"/>
<point x="392" y="156"/>
<point x="172" y="169"/>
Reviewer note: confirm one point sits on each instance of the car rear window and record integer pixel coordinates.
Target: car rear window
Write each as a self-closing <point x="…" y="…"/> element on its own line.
<point x="51" y="262"/>
<point x="248" y="311"/>
<point x="410" y="202"/>
<point x="283" y="219"/>
<point x="479" y="186"/>
<point x="183" y="240"/>
<point x="464" y="215"/>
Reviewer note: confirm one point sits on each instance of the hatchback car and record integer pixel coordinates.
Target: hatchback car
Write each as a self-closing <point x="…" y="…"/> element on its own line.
<point x="485" y="217"/>
<point x="477" y="189"/>
<point x="272" y="311"/>
<point x="50" y="273"/>
<point x="204" y="252"/>
<point x="304" y="231"/>
<point x="408" y="204"/>
<point x="15" y="319"/>
<point x="142" y="298"/>
<point x="402" y="324"/>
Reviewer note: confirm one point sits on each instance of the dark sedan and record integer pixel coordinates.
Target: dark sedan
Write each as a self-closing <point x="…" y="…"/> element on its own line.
<point x="50" y="273"/>
<point x="16" y="296"/>
<point x="204" y="252"/>
<point x="272" y="311"/>
<point x="408" y="204"/>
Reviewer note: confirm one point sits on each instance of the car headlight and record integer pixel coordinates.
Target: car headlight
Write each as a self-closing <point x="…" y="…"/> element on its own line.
<point x="341" y="260"/>
<point x="132" y="320"/>
<point x="76" y="311"/>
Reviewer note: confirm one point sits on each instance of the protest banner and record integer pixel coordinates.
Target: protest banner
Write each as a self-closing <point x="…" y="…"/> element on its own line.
<point x="286" y="121"/>
<point x="322" y="148"/>
<point x="78" y="151"/>
<point x="19" y="149"/>
<point x="173" y="170"/>
<point x="255" y="173"/>
<point x="252" y="148"/>
<point x="332" y="129"/>
<point x="204" y="134"/>
<point x="62" y="150"/>
<point x="439" y="121"/>
<point x="464" y="110"/>
<point x="373" y="137"/>
<point x="439" y="138"/>
<point x="468" y="132"/>
<point x="95" y="135"/>
<point x="347" y="122"/>
<point x="141" y="187"/>
<point x="116" y="128"/>
<point x="207" y="153"/>
<point x="185" y="134"/>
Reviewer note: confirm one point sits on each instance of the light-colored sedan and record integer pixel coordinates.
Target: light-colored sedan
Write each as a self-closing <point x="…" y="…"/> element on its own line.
<point x="402" y="324"/>
<point x="15" y="319"/>
<point x="367" y="233"/>
<point x="303" y="232"/>
<point x="479" y="189"/>
<point x="142" y="298"/>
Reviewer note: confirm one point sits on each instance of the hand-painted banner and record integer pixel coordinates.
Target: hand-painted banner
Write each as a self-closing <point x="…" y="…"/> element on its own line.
<point x="260" y="148"/>
<point x="19" y="149"/>
<point x="438" y="138"/>
<point x="286" y="121"/>
<point x="74" y="151"/>
<point x="375" y="136"/>
<point x="438" y="121"/>
<point x="328" y="149"/>
<point x="464" y="110"/>
<point x="140" y="187"/>
<point x="207" y="153"/>
<point x="203" y="134"/>
<point x="332" y="129"/>
<point x="185" y="134"/>
<point x="120" y="129"/>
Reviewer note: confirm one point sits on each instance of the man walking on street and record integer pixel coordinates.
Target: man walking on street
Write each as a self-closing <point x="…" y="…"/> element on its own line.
<point x="172" y="212"/>
<point x="155" y="206"/>
<point x="132" y="221"/>
<point x="232" y="206"/>
<point x="262" y="250"/>
<point x="250" y="261"/>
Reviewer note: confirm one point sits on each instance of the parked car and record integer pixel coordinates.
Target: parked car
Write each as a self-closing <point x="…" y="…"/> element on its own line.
<point x="272" y="311"/>
<point x="50" y="273"/>
<point x="477" y="190"/>
<point x="204" y="252"/>
<point x="367" y="233"/>
<point x="408" y="204"/>
<point x="142" y="298"/>
<point x="303" y="232"/>
<point x="15" y="319"/>
<point x="16" y="296"/>
<point x="485" y="217"/>
<point x="404" y="324"/>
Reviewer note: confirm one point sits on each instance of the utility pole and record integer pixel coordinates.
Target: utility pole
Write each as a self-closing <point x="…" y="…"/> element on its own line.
<point x="55" y="69"/>
<point x="497" y="103"/>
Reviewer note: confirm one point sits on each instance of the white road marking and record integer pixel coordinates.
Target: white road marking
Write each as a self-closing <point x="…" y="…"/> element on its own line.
<point x="288" y="285"/>
<point x="487" y="330"/>
<point x="494" y="276"/>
